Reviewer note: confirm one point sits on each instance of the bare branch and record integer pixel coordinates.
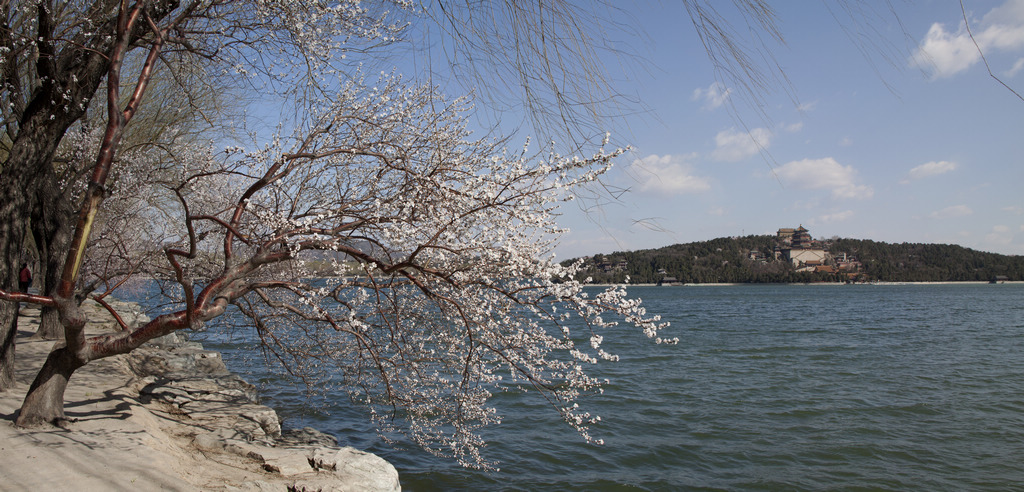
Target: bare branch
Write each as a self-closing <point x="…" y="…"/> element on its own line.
<point x="967" y="24"/>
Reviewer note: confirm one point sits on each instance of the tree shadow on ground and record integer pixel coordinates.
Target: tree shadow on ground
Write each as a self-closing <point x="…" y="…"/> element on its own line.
<point x="121" y="410"/>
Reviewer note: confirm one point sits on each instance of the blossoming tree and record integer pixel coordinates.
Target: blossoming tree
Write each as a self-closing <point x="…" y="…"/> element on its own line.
<point x="440" y="285"/>
<point x="55" y="56"/>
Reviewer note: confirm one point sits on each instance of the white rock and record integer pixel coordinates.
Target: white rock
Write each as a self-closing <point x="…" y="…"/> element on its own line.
<point x="357" y="470"/>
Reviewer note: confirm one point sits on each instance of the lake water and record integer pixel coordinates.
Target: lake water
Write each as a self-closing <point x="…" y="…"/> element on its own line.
<point x="771" y="387"/>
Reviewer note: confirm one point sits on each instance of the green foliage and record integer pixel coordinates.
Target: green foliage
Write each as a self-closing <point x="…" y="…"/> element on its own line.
<point x="914" y="262"/>
<point x="727" y="260"/>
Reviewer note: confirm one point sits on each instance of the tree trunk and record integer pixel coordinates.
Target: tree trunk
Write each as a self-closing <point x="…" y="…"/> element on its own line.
<point x="49" y="325"/>
<point x="74" y="73"/>
<point x="53" y="221"/>
<point x="9" y="330"/>
<point x="44" y="403"/>
<point x="40" y="128"/>
<point x="30" y="153"/>
<point x="13" y="219"/>
<point x="25" y="174"/>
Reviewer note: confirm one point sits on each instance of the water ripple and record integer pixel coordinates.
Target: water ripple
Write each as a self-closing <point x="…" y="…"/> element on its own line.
<point x="771" y="388"/>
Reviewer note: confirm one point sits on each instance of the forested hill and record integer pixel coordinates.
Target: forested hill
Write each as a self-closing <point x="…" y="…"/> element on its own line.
<point x="753" y="259"/>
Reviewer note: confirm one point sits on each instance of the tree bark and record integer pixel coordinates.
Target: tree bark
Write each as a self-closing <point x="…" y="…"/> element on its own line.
<point x="13" y="219"/>
<point x="74" y="73"/>
<point x="23" y="175"/>
<point x="33" y="148"/>
<point x="9" y="318"/>
<point x="44" y="403"/>
<point x="49" y="325"/>
<point x="53" y="220"/>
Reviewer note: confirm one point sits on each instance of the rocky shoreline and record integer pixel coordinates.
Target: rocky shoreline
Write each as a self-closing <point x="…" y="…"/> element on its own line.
<point x="205" y="419"/>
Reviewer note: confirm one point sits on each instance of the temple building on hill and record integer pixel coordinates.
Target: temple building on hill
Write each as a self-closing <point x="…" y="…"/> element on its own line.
<point x="801" y="250"/>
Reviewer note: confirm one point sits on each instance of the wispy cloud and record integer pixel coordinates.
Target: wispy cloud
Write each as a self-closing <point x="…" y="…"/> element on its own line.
<point x="734" y="146"/>
<point x="1000" y="235"/>
<point x="831" y="218"/>
<point x="952" y="212"/>
<point x="794" y="127"/>
<point x="669" y="174"/>
<point x="932" y="168"/>
<point x="807" y="106"/>
<point x="1017" y="66"/>
<point x="946" y="53"/>
<point x="714" y="96"/>
<point x="827" y="174"/>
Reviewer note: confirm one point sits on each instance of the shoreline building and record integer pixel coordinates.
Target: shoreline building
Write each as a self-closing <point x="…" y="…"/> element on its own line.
<point x="800" y="249"/>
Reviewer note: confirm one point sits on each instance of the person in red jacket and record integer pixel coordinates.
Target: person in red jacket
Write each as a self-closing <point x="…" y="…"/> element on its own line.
<point x="24" y="278"/>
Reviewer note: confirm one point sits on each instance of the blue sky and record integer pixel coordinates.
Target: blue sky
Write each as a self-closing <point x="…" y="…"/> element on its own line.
<point x="916" y="146"/>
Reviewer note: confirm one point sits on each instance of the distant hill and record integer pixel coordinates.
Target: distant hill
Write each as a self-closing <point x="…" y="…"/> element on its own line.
<point x="762" y="259"/>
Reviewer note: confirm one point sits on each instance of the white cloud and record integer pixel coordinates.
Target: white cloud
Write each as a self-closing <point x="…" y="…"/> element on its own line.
<point x="853" y="191"/>
<point x="669" y="174"/>
<point x="795" y="127"/>
<point x="812" y="203"/>
<point x="717" y="212"/>
<point x="845" y="142"/>
<point x="998" y="239"/>
<point x="734" y="146"/>
<point x="947" y="53"/>
<point x="1014" y="209"/>
<point x="1017" y="66"/>
<point x="836" y="217"/>
<point x="816" y="174"/>
<point x="805" y="107"/>
<point x="1000" y="235"/>
<point x="714" y="96"/>
<point x="952" y="212"/>
<point x="932" y="169"/>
